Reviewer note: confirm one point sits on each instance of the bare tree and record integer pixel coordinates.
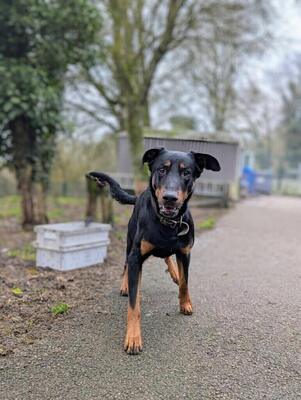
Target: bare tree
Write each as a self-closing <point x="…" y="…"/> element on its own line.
<point x="208" y="71"/>
<point x="197" y="47"/>
<point x="138" y="35"/>
<point x="214" y="83"/>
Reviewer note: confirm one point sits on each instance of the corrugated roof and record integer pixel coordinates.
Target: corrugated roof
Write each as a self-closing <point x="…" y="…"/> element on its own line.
<point x="226" y="152"/>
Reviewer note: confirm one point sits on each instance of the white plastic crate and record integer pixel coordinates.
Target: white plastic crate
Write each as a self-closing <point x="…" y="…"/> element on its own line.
<point x="71" y="245"/>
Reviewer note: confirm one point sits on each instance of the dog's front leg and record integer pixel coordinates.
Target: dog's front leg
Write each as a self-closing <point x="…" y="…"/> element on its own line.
<point x="124" y="288"/>
<point x="133" y="338"/>
<point x="172" y="269"/>
<point x="183" y="259"/>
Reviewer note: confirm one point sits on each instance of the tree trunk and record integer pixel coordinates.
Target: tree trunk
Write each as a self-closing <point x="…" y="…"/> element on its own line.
<point x="24" y="179"/>
<point x="107" y="211"/>
<point x="40" y="204"/>
<point x="91" y="207"/>
<point x="135" y="116"/>
<point x="33" y="199"/>
<point x="106" y="203"/>
<point x="33" y="195"/>
<point x="146" y="114"/>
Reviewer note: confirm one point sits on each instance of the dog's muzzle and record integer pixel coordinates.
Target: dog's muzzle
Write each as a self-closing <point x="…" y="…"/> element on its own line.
<point x="168" y="211"/>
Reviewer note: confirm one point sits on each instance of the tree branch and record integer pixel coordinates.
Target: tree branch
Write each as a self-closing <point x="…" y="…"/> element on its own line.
<point x="93" y="114"/>
<point x="167" y="37"/>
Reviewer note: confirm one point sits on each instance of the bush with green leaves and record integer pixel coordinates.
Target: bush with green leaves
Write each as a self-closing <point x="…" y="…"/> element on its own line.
<point x="40" y="40"/>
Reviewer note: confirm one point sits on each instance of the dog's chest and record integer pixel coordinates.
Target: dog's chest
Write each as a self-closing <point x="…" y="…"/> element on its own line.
<point x="165" y="247"/>
<point x="163" y="252"/>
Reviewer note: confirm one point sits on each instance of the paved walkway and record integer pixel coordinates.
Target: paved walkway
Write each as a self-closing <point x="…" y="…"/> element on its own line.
<point x="243" y="341"/>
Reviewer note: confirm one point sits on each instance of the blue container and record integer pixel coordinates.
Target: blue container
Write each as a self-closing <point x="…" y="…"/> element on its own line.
<point x="263" y="183"/>
<point x="248" y="179"/>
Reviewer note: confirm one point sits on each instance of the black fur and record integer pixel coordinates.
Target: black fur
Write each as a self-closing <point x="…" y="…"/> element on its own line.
<point x="161" y="218"/>
<point x="116" y="192"/>
<point x="145" y="222"/>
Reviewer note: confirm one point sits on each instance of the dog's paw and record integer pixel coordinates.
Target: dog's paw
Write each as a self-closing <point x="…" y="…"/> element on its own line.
<point x="186" y="308"/>
<point x="124" y="287"/>
<point x="133" y="344"/>
<point x="97" y="178"/>
<point x="124" y="292"/>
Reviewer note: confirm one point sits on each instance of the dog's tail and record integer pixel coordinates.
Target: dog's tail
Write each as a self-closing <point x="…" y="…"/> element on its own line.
<point x="116" y="192"/>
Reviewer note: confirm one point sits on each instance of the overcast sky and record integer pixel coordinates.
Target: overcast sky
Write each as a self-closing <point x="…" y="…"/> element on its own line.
<point x="265" y="70"/>
<point x="291" y="21"/>
<point x="270" y="71"/>
<point x="288" y="30"/>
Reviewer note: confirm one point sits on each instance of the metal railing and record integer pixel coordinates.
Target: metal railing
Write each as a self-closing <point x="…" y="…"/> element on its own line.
<point x="202" y="187"/>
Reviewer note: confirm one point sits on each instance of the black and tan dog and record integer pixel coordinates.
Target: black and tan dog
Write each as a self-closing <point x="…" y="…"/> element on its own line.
<point x="161" y="225"/>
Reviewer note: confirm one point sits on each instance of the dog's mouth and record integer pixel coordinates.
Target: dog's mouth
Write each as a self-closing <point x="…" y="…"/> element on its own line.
<point x="168" y="211"/>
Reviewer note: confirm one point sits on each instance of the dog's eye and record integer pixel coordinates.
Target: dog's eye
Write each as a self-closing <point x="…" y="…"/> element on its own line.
<point x="162" y="171"/>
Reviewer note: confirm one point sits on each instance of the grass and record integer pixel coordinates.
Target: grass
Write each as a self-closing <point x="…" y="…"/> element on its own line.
<point x="120" y="235"/>
<point x="208" y="223"/>
<point x="117" y="219"/>
<point x="69" y="201"/>
<point x="10" y="207"/>
<point x="26" y="253"/>
<point x="17" y="291"/>
<point x="55" y="213"/>
<point x="60" y="308"/>
<point x="60" y="209"/>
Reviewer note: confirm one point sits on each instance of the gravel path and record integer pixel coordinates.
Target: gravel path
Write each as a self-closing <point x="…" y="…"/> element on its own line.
<point x="242" y="342"/>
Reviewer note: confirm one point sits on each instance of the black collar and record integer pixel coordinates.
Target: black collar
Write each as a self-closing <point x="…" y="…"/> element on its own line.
<point x="173" y="224"/>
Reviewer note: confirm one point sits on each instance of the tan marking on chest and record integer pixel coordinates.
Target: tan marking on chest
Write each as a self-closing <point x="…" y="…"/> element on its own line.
<point x="146" y="247"/>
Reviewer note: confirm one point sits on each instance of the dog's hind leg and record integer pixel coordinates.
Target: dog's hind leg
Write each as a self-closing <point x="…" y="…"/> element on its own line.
<point x="172" y="269"/>
<point x="124" y="288"/>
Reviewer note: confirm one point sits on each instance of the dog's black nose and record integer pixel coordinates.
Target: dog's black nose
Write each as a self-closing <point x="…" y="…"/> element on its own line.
<point x="170" y="197"/>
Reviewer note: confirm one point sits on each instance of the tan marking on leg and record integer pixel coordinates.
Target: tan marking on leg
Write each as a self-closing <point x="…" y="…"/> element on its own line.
<point x="124" y="288"/>
<point x="186" y="250"/>
<point x="133" y="338"/>
<point x="185" y="303"/>
<point x="146" y="247"/>
<point x="172" y="269"/>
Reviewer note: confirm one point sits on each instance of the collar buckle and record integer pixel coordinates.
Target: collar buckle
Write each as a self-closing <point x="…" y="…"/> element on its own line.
<point x="185" y="230"/>
<point x="173" y="224"/>
<point x="169" y="222"/>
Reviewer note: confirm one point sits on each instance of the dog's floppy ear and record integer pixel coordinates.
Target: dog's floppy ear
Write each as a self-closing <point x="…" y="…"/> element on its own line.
<point x="205" y="161"/>
<point x="151" y="154"/>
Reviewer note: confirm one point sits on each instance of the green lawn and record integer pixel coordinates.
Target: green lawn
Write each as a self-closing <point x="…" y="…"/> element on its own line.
<point x="10" y="206"/>
<point x="26" y="253"/>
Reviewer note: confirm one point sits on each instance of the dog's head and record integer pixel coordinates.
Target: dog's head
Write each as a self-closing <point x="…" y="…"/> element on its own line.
<point x="173" y="174"/>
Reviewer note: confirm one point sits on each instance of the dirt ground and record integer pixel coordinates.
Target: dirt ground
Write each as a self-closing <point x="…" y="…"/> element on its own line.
<point x="28" y="293"/>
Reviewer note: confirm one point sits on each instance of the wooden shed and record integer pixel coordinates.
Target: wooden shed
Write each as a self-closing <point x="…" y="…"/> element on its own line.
<point x="222" y="184"/>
